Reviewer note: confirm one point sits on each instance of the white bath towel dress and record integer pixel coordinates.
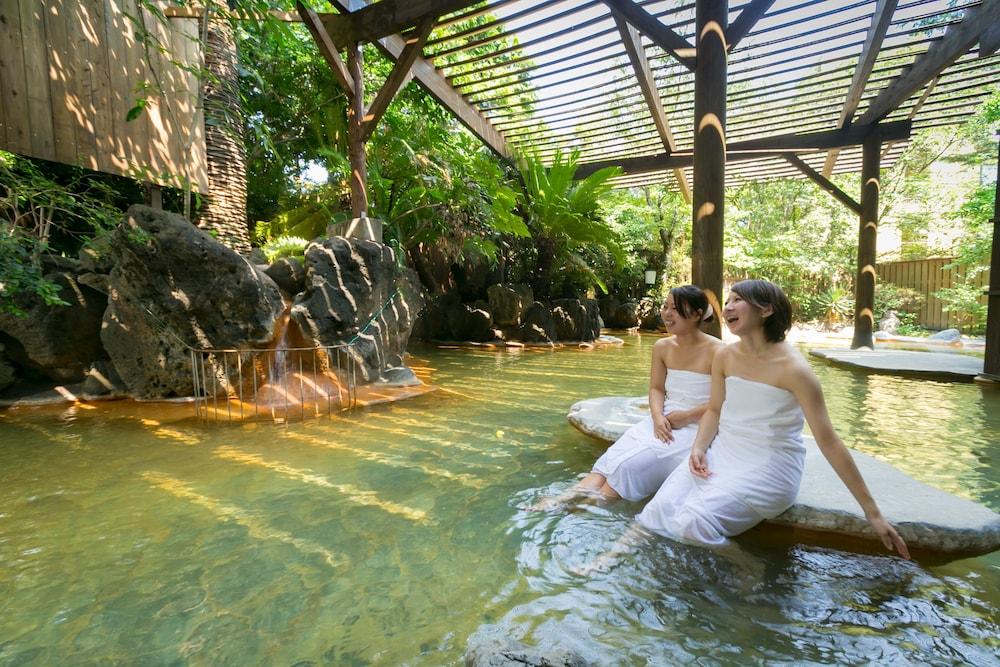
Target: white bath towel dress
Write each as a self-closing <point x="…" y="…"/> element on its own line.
<point x="755" y="461"/>
<point x="638" y="463"/>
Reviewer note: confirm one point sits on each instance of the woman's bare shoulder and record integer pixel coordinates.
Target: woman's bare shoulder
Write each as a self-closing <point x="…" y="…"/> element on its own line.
<point x="665" y="343"/>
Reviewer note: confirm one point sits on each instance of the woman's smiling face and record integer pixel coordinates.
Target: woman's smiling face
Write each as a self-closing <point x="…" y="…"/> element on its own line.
<point x="742" y="316"/>
<point x="676" y="323"/>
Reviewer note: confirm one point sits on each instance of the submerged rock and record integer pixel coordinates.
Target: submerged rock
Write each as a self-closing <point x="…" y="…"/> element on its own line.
<point x="491" y="646"/>
<point x="926" y="517"/>
<point x="174" y="286"/>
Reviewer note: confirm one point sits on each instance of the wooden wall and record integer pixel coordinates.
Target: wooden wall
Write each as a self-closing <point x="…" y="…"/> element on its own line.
<point x="928" y="276"/>
<point x="70" y="71"/>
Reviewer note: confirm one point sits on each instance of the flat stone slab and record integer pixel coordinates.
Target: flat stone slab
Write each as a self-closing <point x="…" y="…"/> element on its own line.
<point x="929" y="365"/>
<point x="926" y="517"/>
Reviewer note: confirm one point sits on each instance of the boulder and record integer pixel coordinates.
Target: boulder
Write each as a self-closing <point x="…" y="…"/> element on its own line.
<point x="96" y="257"/>
<point x="173" y="288"/>
<point x="926" y="517"/>
<point x="947" y="336"/>
<point x="288" y="274"/>
<point x="469" y="322"/>
<point x="60" y="342"/>
<point x="507" y="304"/>
<point x="890" y="323"/>
<point x="432" y="323"/>
<point x="7" y="373"/>
<point x="568" y="315"/>
<point x="537" y="325"/>
<point x="492" y="646"/>
<point x="649" y="315"/>
<point x="626" y="316"/>
<point x="257" y="256"/>
<point x="102" y="380"/>
<point x="608" y="305"/>
<point x="97" y="281"/>
<point x="576" y="319"/>
<point x="472" y="276"/>
<point x="617" y="314"/>
<point x="356" y="294"/>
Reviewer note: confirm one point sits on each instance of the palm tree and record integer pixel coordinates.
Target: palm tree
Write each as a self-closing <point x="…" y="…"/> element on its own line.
<point x="224" y="211"/>
<point x="564" y="216"/>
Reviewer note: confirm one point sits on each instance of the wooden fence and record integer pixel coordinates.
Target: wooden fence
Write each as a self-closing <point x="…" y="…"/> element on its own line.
<point x="927" y="276"/>
<point x="70" y="70"/>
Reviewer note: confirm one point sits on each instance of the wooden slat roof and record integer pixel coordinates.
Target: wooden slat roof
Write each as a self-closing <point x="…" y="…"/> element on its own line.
<point x="792" y="72"/>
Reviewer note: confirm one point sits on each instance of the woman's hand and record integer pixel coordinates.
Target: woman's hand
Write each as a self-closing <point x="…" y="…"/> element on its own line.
<point x="662" y="429"/>
<point x="890" y="538"/>
<point x="698" y="464"/>
<point x="681" y="418"/>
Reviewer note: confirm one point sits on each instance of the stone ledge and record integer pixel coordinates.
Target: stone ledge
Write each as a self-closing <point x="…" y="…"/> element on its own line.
<point x="926" y="517"/>
<point x="928" y="365"/>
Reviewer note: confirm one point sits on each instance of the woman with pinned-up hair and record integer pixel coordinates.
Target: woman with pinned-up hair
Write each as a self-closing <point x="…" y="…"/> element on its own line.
<point x="746" y="461"/>
<point x="636" y="465"/>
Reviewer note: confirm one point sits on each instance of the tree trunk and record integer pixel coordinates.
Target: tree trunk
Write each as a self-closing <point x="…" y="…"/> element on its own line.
<point x="224" y="210"/>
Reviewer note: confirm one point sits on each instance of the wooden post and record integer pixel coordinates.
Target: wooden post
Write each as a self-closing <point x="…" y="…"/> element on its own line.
<point x="991" y="365"/>
<point x="864" y="286"/>
<point x="356" y="133"/>
<point x="708" y="193"/>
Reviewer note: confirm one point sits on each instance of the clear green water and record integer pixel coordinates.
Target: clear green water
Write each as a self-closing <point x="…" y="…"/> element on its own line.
<point x="391" y="535"/>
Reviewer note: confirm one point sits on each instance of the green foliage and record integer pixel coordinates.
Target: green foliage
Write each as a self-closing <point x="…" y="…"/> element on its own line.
<point x="306" y="221"/>
<point x="46" y="207"/>
<point x="285" y="246"/>
<point x="964" y="301"/>
<point x="565" y="217"/>
<point x="794" y="234"/>
<point x="19" y="274"/>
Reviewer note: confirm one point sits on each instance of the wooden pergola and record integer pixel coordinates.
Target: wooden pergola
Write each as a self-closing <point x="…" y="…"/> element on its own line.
<point x="698" y="95"/>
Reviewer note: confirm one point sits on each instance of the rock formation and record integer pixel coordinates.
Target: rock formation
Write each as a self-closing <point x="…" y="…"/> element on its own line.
<point x="174" y="287"/>
<point x="356" y="293"/>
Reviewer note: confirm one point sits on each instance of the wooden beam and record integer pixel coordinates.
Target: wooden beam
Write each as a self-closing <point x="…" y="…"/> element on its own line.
<point x="647" y="84"/>
<point x="386" y="17"/>
<point x="755" y="149"/>
<point x="398" y="77"/>
<point x="989" y="41"/>
<point x="957" y="41"/>
<point x="651" y="27"/>
<point x="887" y="146"/>
<point x="864" y="285"/>
<point x="196" y="12"/>
<point x="326" y="48"/>
<point x="866" y="62"/>
<point x="439" y="88"/>
<point x="823" y="182"/>
<point x="745" y="22"/>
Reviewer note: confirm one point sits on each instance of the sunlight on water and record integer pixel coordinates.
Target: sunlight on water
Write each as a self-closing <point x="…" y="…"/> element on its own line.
<point x="137" y="534"/>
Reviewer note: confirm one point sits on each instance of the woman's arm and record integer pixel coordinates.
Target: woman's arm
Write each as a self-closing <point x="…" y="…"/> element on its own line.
<point x="709" y="424"/>
<point x="657" y="394"/>
<point x="809" y="393"/>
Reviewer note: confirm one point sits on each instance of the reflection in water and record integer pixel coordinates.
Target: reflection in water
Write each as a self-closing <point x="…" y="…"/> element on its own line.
<point x="136" y="533"/>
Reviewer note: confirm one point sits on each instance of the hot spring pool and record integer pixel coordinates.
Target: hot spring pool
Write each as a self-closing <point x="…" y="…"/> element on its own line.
<point x="135" y="534"/>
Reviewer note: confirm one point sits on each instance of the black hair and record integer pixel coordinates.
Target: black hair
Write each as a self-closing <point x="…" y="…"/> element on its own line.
<point x="689" y="299"/>
<point x="761" y="293"/>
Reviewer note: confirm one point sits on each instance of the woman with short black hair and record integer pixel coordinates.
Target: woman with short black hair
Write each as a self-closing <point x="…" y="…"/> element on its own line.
<point x="636" y="465"/>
